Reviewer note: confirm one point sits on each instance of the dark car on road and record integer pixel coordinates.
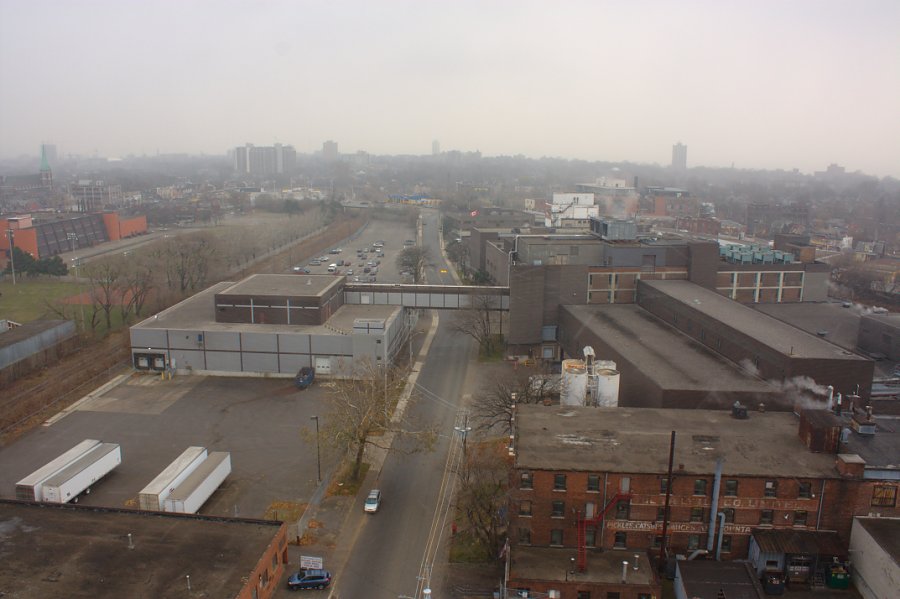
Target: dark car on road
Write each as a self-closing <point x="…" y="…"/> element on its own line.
<point x="309" y="579"/>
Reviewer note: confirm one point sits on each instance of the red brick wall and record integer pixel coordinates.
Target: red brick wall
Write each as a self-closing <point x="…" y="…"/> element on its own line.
<point x="842" y="499"/>
<point x="265" y="577"/>
<point x="569" y="590"/>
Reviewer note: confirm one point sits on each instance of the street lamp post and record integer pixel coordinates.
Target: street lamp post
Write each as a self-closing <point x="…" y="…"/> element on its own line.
<point x="464" y="431"/>
<point x="318" y="458"/>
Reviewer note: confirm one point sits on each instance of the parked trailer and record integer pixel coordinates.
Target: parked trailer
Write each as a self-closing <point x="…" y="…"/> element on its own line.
<point x="30" y="487"/>
<point x="77" y="477"/>
<point x="153" y="496"/>
<point x="193" y="492"/>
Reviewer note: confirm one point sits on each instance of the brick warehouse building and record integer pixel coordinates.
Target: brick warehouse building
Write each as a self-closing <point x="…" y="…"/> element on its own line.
<point x="590" y="481"/>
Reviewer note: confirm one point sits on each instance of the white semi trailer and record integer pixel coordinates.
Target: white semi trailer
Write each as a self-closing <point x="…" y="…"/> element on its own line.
<point x="31" y="487"/>
<point x="153" y="496"/>
<point x="76" y="478"/>
<point x="192" y="493"/>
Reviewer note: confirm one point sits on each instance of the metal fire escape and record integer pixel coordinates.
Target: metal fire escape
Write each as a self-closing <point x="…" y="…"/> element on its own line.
<point x="583" y="523"/>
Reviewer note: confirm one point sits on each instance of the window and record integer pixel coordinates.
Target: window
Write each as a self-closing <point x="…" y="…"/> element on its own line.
<point x="559" y="482"/>
<point x="726" y="543"/>
<point x="559" y="509"/>
<point x="643" y="595"/>
<point x="620" y="540"/>
<point x="700" y="486"/>
<point x="663" y="485"/>
<point x="696" y="514"/>
<point x="526" y="480"/>
<point x="556" y="536"/>
<point x="766" y="516"/>
<point x="590" y="537"/>
<point x="612" y="595"/>
<point x="584" y="595"/>
<point x="800" y="518"/>
<point x="729" y="514"/>
<point x="593" y="483"/>
<point x="731" y="488"/>
<point x="274" y="562"/>
<point x="693" y="542"/>
<point x="660" y="514"/>
<point x="525" y="536"/>
<point x="884" y="496"/>
<point x="524" y="508"/>
<point x="622" y="510"/>
<point x="771" y="488"/>
<point x="805" y="491"/>
<point x="657" y="541"/>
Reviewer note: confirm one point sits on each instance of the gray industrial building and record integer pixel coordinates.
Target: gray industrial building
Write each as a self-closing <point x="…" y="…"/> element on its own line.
<point x="273" y="325"/>
<point x="270" y="325"/>
<point x="879" y="335"/>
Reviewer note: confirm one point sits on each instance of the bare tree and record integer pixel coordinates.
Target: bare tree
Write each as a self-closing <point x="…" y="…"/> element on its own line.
<point x="492" y="407"/>
<point x="135" y="286"/>
<point x="187" y="261"/>
<point x="360" y="416"/>
<point x="414" y="260"/>
<point x="105" y="277"/>
<point x="482" y="494"/>
<point x="479" y="322"/>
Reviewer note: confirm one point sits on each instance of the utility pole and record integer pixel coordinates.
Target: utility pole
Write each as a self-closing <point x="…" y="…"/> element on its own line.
<point x="318" y="458"/>
<point x="464" y="430"/>
<point x="12" y="252"/>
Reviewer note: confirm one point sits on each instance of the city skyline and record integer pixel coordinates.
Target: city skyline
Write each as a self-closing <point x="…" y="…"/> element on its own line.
<point x="758" y="85"/>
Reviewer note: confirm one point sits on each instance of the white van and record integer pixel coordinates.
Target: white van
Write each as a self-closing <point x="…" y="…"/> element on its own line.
<point x="332" y="268"/>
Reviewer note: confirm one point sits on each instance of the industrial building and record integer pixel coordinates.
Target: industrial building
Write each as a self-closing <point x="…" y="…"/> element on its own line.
<point x="875" y="543"/>
<point x="112" y="553"/>
<point x="45" y="237"/>
<point x="273" y="325"/>
<point x="595" y="480"/>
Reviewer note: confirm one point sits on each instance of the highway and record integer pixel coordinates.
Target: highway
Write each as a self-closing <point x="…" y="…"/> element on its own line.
<point x="396" y="547"/>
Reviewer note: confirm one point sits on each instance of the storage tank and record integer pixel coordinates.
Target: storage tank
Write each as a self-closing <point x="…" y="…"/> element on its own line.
<point x="606" y="393"/>
<point x="574" y="383"/>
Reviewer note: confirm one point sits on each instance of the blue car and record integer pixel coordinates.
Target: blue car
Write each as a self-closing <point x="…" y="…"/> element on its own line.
<point x="309" y="579"/>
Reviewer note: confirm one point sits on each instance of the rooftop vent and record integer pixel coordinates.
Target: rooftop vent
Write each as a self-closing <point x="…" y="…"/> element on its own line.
<point x="864" y="425"/>
<point x="739" y="411"/>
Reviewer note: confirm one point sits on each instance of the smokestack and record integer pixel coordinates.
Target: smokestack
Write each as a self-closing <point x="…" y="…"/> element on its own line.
<point x="837" y="404"/>
<point x="830" y="397"/>
<point x="130" y="541"/>
<point x="635" y="566"/>
<point x="624" y="571"/>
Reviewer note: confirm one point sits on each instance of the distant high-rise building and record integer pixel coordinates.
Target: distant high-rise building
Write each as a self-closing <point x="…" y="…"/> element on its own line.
<point x="679" y="156"/>
<point x="435" y="148"/>
<point x="91" y="196"/>
<point x="330" y="150"/>
<point x="264" y="160"/>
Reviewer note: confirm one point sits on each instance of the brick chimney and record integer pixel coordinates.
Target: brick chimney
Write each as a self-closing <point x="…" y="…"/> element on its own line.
<point x="850" y="465"/>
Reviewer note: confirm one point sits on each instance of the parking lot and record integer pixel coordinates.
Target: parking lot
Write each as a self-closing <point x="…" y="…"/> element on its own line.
<point x="352" y="265"/>
<point x="154" y="420"/>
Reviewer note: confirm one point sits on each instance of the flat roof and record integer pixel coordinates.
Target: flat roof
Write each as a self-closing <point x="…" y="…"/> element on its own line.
<point x="198" y="313"/>
<point x="886" y="532"/>
<point x="663" y="354"/>
<point x="841" y="324"/>
<point x="83" y="551"/>
<point x="636" y="440"/>
<point x="603" y="567"/>
<point x="705" y="579"/>
<point x="284" y="285"/>
<point x="752" y="323"/>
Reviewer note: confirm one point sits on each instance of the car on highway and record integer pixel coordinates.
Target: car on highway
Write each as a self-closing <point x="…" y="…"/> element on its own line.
<point x="349" y="271"/>
<point x="315" y="262"/>
<point x="373" y="501"/>
<point x="309" y="579"/>
<point x="301" y="269"/>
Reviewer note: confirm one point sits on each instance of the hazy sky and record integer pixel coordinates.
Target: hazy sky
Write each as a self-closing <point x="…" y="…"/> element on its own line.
<point x="762" y="84"/>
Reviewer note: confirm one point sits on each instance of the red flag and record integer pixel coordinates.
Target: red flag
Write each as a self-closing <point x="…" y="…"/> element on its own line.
<point x="473" y="213"/>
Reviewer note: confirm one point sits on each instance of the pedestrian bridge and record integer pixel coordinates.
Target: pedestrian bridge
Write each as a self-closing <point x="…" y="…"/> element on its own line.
<point x="435" y="297"/>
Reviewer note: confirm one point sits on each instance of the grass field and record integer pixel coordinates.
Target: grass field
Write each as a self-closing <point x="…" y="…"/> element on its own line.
<point x="27" y="299"/>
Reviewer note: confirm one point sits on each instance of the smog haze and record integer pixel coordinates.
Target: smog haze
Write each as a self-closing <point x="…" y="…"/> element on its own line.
<point x="756" y="84"/>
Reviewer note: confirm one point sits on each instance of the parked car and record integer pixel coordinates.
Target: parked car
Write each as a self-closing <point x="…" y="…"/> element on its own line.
<point x="301" y="269"/>
<point x="315" y="262"/>
<point x="373" y="501"/>
<point x="349" y="271"/>
<point x="309" y="579"/>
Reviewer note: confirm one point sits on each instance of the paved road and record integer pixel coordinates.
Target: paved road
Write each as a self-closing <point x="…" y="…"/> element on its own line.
<point x="395" y="547"/>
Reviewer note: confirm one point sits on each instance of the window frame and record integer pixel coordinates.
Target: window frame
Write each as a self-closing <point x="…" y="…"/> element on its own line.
<point x="553" y="533"/>
<point x="763" y="520"/>
<point x="703" y="485"/>
<point x="526" y="480"/>
<point x="557" y="485"/>
<point x="593" y="488"/>
<point x="558" y="509"/>
<point x="729" y="515"/>
<point x="697" y="514"/>
<point x="620" y="544"/>
<point x="727" y="492"/>
<point x="526" y="513"/>
<point x="801" y="517"/>
<point x="770" y="488"/>
<point x="882" y="493"/>
<point x="804" y="491"/>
